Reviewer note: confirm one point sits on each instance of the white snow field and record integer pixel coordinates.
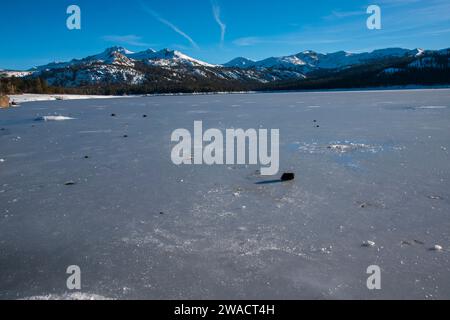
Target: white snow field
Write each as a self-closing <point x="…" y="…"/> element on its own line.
<point x="21" y="98"/>
<point x="372" y="188"/>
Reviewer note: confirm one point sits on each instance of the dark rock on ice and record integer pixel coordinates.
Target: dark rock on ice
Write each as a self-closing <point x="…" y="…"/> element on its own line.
<point x="288" y="177"/>
<point x="368" y="244"/>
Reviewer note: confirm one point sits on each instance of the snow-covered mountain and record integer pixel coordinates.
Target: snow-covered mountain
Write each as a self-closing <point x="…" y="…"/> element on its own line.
<point x="168" y="57"/>
<point x="308" y="61"/>
<point x="120" y="66"/>
<point x="111" y="56"/>
<point x="115" y="65"/>
<point x="122" y="57"/>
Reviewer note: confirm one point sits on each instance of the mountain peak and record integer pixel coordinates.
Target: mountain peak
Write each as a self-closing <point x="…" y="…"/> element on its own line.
<point x="239" y="62"/>
<point x="143" y="55"/>
<point x="118" y="49"/>
<point x="167" y="57"/>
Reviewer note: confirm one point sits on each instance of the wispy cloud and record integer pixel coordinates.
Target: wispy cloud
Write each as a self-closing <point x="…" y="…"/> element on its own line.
<point x="222" y="25"/>
<point x="170" y="25"/>
<point x="131" y="39"/>
<point x="336" y="14"/>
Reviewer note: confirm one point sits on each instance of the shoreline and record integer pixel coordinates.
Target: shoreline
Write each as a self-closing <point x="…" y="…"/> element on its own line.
<point x="31" y="97"/>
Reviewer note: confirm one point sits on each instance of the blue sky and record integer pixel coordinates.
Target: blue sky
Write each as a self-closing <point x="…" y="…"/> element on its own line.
<point x="35" y="32"/>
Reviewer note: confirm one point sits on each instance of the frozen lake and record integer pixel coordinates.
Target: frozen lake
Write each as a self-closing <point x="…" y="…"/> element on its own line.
<point x="102" y="193"/>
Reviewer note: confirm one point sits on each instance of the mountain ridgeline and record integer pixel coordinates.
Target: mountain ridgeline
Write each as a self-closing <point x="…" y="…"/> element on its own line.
<point x="120" y="71"/>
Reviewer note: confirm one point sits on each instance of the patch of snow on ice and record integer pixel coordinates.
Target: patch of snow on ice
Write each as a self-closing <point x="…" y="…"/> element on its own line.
<point x="338" y="147"/>
<point x="54" y="118"/>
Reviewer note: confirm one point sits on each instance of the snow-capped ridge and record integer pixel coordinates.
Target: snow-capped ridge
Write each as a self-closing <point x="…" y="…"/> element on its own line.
<point x="305" y="61"/>
<point x="117" y="49"/>
<point x="121" y="56"/>
<point x="309" y="60"/>
<point x="167" y="57"/>
<point x="118" y="65"/>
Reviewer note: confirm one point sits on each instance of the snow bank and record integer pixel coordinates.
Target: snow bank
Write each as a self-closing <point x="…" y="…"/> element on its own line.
<point x="52" y="97"/>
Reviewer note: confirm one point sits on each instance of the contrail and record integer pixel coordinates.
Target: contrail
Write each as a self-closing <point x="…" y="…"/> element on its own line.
<point x="170" y="25"/>
<point x="223" y="26"/>
<point x="177" y="30"/>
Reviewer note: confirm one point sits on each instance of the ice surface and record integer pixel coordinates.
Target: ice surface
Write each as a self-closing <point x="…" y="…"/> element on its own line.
<point x="377" y="169"/>
<point x="433" y="107"/>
